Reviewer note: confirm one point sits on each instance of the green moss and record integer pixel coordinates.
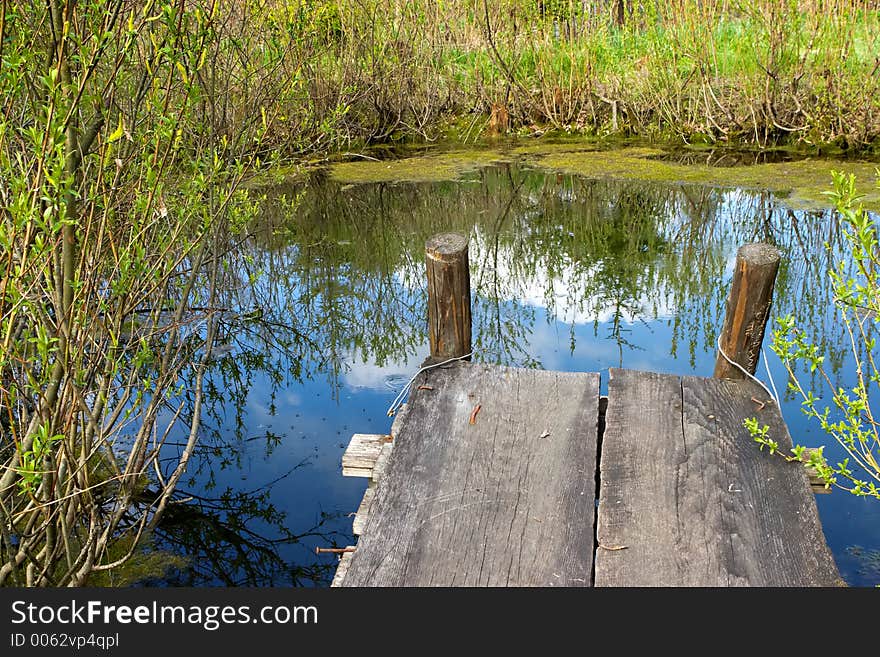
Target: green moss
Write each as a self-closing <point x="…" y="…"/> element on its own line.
<point x="544" y="148"/>
<point x="802" y="182"/>
<point x="430" y="168"/>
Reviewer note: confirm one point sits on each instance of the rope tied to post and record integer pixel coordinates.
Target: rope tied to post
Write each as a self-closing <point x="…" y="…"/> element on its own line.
<point x="773" y="395"/>
<point x="404" y="392"/>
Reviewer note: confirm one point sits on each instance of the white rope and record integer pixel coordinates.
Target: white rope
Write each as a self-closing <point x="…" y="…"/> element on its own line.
<point x="749" y="374"/>
<point x="772" y="385"/>
<point x="398" y="401"/>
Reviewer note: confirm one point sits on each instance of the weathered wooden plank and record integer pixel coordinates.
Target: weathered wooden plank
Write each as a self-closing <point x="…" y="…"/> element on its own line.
<point x="687" y="498"/>
<point x="398" y="419"/>
<point x="360" y="456"/>
<point x="641" y="447"/>
<point x="341" y="569"/>
<point x="770" y="529"/>
<point x="503" y="496"/>
<point x="375" y="474"/>
<point x="363" y="512"/>
<point x="381" y="462"/>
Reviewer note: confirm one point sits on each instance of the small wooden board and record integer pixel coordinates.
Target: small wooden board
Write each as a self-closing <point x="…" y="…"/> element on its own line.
<point x="361" y="455"/>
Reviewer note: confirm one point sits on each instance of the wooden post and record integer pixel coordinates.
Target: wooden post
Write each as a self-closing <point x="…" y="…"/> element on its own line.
<point x="449" y="296"/>
<point x="748" y="308"/>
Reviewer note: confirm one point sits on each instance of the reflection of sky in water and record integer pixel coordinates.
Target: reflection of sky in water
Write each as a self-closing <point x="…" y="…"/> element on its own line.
<point x="393" y="375"/>
<point x="316" y="417"/>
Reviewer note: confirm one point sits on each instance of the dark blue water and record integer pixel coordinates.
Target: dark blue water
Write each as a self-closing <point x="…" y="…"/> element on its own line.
<point x="568" y="274"/>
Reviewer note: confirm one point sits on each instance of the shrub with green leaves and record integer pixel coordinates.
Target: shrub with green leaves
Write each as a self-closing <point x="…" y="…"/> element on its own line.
<point x="117" y="196"/>
<point x="849" y="417"/>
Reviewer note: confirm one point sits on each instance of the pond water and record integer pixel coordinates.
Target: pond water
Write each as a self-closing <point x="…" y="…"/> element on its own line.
<point x="567" y="272"/>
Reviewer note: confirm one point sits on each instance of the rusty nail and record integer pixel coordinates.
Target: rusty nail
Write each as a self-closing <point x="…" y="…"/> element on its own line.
<point x="473" y="419"/>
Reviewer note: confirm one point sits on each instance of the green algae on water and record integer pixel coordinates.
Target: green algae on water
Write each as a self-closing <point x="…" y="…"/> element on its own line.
<point x="429" y="168"/>
<point x="801" y="184"/>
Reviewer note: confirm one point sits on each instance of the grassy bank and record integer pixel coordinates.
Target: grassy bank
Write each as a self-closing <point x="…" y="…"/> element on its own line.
<point x="334" y="75"/>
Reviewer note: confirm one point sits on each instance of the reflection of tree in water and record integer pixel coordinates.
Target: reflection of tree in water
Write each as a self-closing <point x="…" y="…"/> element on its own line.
<point x="236" y="540"/>
<point x="240" y="537"/>
<point x="348" y="263"/>
<point x="586" y="249"/>
<point x="340" y="278"/>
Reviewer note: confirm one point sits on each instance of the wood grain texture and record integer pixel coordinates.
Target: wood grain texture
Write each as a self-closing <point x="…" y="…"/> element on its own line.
<point x="341" y="569"/>
<point x="363" y="511"/>
<point x="398" y="420"/>
<point x="449" y="296"/>
<point x="687" y="498"/>
<point x="381" y="462"/>
<point x="748" y="307"/>
<point x="363" y="450"/>
<point x="491" y="503"/>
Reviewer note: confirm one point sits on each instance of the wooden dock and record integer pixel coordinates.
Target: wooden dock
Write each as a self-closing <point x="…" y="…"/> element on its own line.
<point x="527" y="491"/>
<point x="497" y="476"/>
